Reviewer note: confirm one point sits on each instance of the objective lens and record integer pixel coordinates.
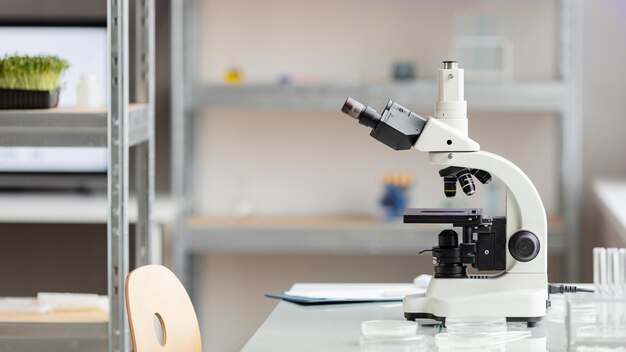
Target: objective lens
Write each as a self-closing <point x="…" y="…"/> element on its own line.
<point x="483" y="176"/>
<point x="466" y="182"/>
<point x="449" y="186"/>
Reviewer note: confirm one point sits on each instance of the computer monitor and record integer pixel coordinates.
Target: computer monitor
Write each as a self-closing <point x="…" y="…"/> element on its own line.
<point x="85" y="48"/>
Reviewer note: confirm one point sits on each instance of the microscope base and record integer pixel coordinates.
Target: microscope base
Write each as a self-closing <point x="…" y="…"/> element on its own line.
<point x="518" y="297"/>
<point x="531" y="322"/>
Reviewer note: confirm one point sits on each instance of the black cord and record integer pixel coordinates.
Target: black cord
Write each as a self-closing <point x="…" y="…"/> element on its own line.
<point x="566" y="289"/>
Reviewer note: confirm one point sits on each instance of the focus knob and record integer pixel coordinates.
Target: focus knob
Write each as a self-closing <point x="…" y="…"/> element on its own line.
<point x="524" y="246"/>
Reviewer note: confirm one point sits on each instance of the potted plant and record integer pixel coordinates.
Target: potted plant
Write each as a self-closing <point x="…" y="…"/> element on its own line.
<point x="30" y="82"/>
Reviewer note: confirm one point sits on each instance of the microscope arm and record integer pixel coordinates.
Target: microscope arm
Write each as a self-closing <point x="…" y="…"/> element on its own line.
<point x="524" y="208"/>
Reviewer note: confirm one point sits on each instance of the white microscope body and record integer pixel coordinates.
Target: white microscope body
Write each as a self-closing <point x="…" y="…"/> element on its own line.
<point x="519" y="292"/>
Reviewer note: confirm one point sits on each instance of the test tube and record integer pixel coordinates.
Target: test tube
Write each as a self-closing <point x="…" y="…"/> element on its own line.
<point x="622" y="284"/>
<point x="599" y="269"/>
<point x="613" y="271"/>
<point x="622" y="266"/>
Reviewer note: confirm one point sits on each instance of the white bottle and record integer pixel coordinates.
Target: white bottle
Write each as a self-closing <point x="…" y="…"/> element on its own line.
<point x="87" y="91"/>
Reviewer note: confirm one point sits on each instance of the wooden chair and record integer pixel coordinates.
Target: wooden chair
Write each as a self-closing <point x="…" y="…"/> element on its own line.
<point x="155" y="297"/>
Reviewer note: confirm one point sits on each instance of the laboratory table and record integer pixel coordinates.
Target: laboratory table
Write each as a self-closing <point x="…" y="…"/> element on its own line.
<point x="292" y="327"/>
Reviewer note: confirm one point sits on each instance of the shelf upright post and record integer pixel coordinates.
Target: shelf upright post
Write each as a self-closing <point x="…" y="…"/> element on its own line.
<point x="177" y="113"/>
<point x="570" y="20"/>
<point x="144" y="152"/>
<point x="117" y="175"/>
<point x="183" y="165"/>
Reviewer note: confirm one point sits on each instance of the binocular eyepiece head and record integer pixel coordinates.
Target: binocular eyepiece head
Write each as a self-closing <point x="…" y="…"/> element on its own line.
<point x="396" y="127"/>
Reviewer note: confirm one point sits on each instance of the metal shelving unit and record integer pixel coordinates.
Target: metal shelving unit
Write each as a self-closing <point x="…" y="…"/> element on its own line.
<point x="123" y="128"/>
<point x="516" y="97"/>
<point x="561" y="97"/>
<point x="119" y="141"/>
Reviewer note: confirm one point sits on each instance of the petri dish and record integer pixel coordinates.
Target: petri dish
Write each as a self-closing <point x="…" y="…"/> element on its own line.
<point x="388" y="328"/>
<point x="463" y="340"/>
<point x="476" y="324"/>
<point x="391" y="335"/>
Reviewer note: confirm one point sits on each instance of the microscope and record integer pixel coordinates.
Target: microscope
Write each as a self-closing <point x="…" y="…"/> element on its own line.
<point x="512" y="248"/>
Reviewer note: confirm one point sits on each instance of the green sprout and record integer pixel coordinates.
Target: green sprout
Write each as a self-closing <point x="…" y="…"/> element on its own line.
<point x="31" y="72"/>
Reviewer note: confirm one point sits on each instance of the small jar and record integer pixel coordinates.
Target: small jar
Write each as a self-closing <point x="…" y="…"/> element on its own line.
<point x="87" y="92"/>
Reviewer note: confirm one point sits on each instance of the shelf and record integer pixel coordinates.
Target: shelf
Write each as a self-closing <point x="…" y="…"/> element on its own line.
<point x="84" y="330"/>
<point x="57" y="317"/>
<point x="546" y="96"/>
<point x="340" y="235"/>
<point x="66" y="127"/>
<point x="69" y="208"/>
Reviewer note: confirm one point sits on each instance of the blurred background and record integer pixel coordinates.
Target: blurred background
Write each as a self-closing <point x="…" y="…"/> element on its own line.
<point x="277" y="186"/>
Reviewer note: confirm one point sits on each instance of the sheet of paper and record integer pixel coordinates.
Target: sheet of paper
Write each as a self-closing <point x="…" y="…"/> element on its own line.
<point x="355" y="291"/>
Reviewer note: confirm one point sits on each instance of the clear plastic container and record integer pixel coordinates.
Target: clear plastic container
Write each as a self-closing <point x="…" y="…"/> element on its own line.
<point x="477" y="333"/>
<point x="391" y="335"/>
<point x="596" y="320"/>
<point x="556" y="314"/>
<point x="466" y="342"/>
<point x="599" y="319"/>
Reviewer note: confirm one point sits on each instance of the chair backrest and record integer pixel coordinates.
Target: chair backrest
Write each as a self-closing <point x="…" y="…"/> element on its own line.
<point x="157" y="302"/>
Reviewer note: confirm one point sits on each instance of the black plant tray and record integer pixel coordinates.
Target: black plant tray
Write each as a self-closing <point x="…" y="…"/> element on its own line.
<point x="28" y="99"/>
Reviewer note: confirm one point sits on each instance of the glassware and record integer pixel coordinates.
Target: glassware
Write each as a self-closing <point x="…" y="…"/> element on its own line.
<point x="599" y="319"/>
<point x="391" y="335"/>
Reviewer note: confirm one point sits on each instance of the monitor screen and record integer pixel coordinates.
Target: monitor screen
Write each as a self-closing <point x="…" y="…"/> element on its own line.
<point x="85" y="48"/>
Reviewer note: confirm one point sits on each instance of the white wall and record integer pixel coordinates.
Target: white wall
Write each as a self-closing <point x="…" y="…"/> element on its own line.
<point x="290" y="162"/>
<point x="604" y="88"/>
<point x="339" y="41"/>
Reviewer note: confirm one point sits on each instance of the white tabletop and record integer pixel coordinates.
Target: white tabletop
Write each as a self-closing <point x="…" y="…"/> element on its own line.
<point x="292" y="327"/>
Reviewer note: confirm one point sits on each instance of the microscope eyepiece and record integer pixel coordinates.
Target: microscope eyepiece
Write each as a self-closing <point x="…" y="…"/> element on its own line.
<point x="364" y="114"/>
<point x="352" y="108"/>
